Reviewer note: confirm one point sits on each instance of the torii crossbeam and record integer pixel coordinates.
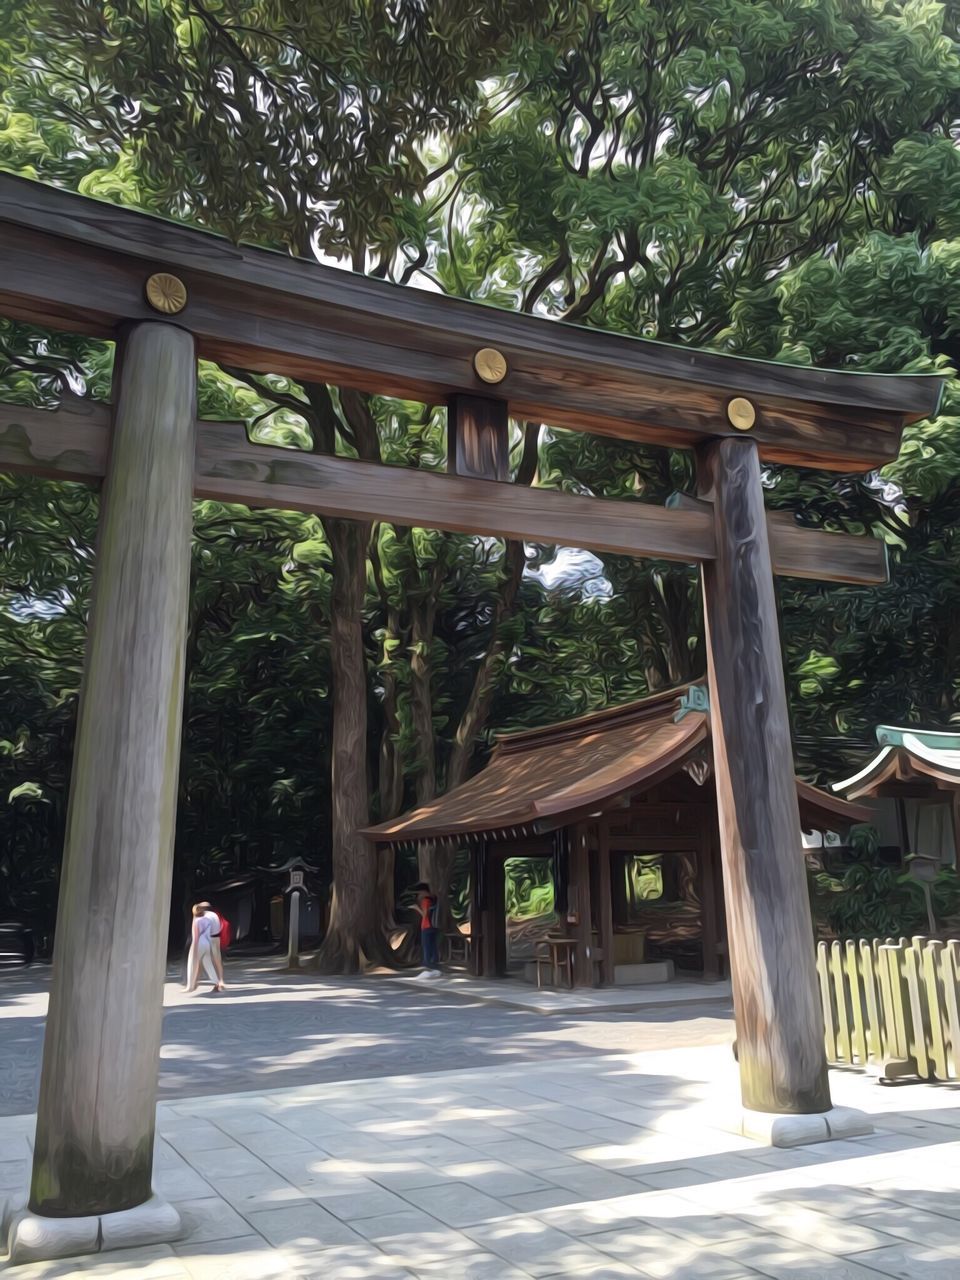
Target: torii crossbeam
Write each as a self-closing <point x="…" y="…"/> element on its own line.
<point x="169" y="294"/>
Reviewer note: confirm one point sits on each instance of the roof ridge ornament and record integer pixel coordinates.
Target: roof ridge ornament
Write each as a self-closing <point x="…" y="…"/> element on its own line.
<point x="696" y="698"/>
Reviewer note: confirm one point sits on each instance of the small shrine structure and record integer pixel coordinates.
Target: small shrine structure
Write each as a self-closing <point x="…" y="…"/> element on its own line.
<point x="911" y="787"/>
<point x="619" y="797"/>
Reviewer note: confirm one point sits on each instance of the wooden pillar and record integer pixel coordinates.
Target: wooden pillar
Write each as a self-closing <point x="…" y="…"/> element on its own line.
<point x="708" y="897"/>
<point x="618" y="888"/>
<point x="903" y="830"/>
<point x="580" y="898"/>
<point x="605" y="905"/>
<point x="95" y="1124"/>
<point x="293" y="937"/>
<point x="478" y="440"/>
<point x="494" y="941"/>
<point x="720" y="906"/>
<point x="561" y="870"/>
<point x="477" y="855"/>
<point x="779" y="1022"/>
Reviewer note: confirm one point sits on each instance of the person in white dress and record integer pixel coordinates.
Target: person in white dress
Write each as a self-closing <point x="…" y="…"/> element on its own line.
<point x="201" y="949"/>
<point x="214" y="935"/>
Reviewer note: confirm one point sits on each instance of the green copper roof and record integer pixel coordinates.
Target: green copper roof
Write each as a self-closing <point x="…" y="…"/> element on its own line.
<point x="929" y="751"/>
<point x="933" y="740"/>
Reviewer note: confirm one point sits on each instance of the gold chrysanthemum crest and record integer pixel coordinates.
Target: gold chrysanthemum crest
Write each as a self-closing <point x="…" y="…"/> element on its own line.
<point x="166" y="293"/>
<point x="741" y="413"/>
<point x="490" y="364"/>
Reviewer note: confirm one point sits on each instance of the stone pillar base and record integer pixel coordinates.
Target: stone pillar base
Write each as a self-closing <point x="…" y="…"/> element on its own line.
<point x="33" y="1238"/>
<point x="799" y="1130"/>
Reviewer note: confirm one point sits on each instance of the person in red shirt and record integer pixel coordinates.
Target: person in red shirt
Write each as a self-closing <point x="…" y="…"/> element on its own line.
<point x="426" y="908"/>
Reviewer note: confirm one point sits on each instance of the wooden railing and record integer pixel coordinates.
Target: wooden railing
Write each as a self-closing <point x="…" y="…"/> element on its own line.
<point x="893" y="1004"/>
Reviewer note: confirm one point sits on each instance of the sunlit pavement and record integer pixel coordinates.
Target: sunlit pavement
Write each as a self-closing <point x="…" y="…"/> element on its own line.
<point x="608" y="1166"/>
<point x="596" y="1165"/>
<point x="272" y="1029"/>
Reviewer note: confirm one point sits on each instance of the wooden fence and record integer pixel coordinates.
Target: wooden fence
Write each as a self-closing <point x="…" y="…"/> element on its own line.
<point x="893" y="1004"/>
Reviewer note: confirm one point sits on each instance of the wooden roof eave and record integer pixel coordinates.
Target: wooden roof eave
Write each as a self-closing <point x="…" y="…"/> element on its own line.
<point x="818" y="808"/>
<point x="892" y="765"/>
<point x="864" y="783"/>
<point x="828" y="811"/>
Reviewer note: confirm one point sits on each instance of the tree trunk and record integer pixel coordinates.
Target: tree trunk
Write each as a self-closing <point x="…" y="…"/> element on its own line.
<point x="390" y="784"/>
<point x="356" y="928"/>
<point x="477" y="709"/>
<point x="436" y="860"/>
<point x="354" y="934"/>
<point x="484" y="686"/>
<point x="421" y="695"/>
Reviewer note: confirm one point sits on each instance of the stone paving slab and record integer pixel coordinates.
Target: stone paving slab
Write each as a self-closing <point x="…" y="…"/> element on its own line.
<point x="383" y="1179"/>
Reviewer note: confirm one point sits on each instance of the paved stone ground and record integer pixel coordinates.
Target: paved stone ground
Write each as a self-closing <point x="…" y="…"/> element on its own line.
<point x="552" y="1000"/>
<point x="606" y="1166"/>
<point x="272" y="1029"/>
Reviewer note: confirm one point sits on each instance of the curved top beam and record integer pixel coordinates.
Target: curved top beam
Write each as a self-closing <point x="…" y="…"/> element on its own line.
<point x="71" y="262"/>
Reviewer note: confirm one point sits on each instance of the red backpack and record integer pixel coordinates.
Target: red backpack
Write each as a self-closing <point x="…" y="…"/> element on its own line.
<point x="225" y="933"/>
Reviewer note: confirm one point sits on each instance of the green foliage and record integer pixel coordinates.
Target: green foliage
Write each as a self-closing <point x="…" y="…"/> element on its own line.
<point x="256" y="740"/>
<point x="871" y="899"/>
<point x="297" y="126"/>
<point x="529" y="888"/>
<point x="644" y="875"/>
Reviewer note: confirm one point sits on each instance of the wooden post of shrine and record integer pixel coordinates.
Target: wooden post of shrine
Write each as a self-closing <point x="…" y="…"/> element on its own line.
<point x="605" y="905"/>
<point x="580" y="905"/>
<point x="93" y="1156"/>
<point x="783" y="1067"/>
<point x="493" y="917"/>
<point x="477" y="855"/>
<point x="709" y="913"/>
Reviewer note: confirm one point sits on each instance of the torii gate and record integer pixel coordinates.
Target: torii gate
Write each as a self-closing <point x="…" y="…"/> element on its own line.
<point x="168" y="294"/>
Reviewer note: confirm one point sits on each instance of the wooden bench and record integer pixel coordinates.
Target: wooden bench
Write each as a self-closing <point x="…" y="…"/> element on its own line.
<point x="457" y="947"/>
<point x="556" y="954"/>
